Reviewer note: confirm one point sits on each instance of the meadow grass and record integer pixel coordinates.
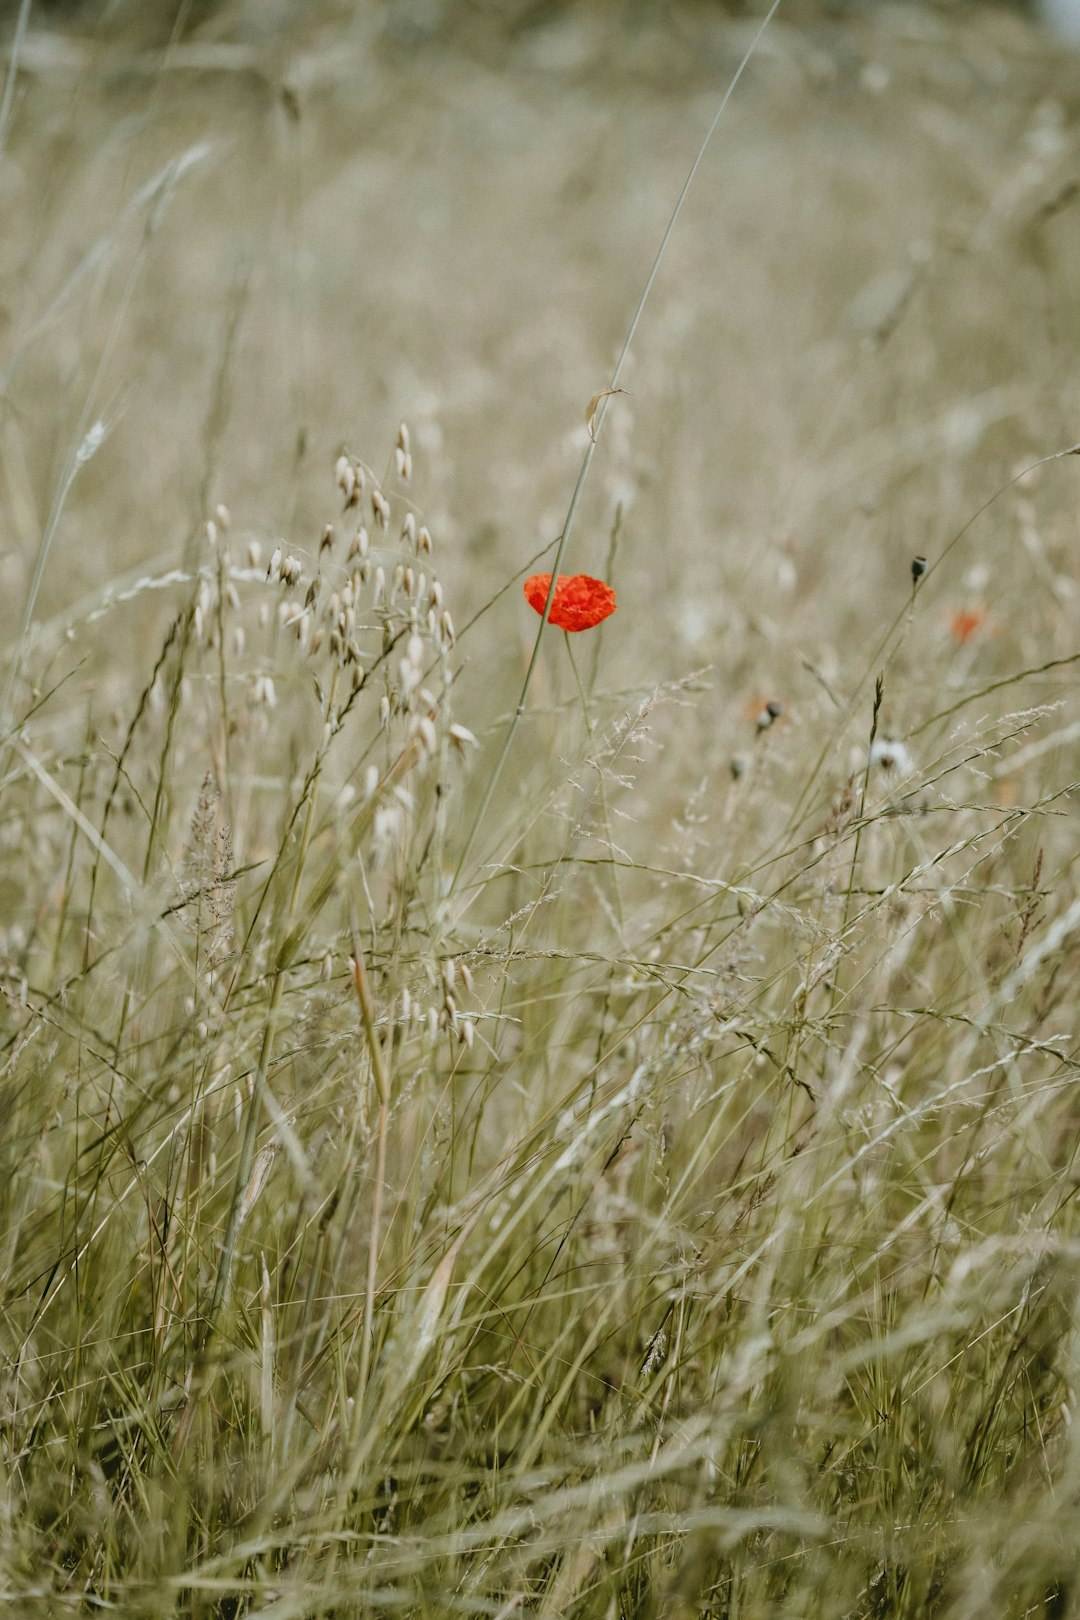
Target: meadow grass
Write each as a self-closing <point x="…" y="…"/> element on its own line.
<point x="592" y="1237"/>
<point x="579" y="1187"/>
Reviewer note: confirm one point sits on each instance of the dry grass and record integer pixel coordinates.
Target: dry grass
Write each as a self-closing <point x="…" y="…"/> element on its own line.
<point x="657" y="1200"/>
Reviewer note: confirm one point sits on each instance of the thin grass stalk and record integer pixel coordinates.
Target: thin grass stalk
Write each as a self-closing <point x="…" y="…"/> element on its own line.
<point x="382" y="1088"/>
<point x="256" y="1102"/>
<point x="233" y="1222"/>
<point x="860" y="814"/>
<point x="590" y="450"/>
<point x="91" y="433"/>
<point x="7" y="102"/>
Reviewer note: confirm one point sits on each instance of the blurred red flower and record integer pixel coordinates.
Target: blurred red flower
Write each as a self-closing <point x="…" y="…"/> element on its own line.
<point x="579" y="603"/>
<point x="965" y="622"/>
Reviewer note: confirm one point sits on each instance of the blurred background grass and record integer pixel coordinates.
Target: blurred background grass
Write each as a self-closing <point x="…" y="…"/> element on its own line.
<point x="447" y="211"/>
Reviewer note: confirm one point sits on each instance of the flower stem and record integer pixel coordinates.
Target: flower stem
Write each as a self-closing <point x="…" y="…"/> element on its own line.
<point x="586" y="460"/>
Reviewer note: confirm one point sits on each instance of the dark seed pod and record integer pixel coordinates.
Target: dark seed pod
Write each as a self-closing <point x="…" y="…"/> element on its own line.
<point x="919" y="566"/>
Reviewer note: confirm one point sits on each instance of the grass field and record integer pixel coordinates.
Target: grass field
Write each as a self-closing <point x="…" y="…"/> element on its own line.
<point x="619" y="1160"/>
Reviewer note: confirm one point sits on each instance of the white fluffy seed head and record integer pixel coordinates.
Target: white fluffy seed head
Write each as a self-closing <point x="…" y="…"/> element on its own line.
<point x="892" y="756"/>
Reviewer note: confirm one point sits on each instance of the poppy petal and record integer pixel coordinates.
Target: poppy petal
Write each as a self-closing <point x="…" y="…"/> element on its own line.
<point x="580" y="602"/>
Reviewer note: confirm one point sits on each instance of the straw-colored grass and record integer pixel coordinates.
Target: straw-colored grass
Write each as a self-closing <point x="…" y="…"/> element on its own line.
<point x="640" y="1184"/>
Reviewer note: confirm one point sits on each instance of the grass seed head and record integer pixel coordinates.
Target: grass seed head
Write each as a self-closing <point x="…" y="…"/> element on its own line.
<point x="892" y="756"/>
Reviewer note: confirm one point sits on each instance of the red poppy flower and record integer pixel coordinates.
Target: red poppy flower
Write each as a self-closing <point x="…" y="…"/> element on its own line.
<point x="579" y="603"/>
